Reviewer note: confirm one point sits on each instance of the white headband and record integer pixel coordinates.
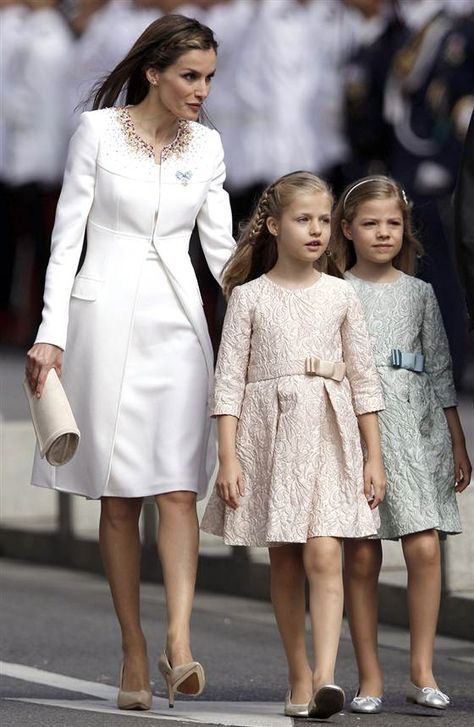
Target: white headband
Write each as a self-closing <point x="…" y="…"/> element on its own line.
<point x="364" y="181"/>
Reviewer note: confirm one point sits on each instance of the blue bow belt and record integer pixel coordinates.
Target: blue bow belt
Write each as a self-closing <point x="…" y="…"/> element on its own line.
<point x="406" y="360"/>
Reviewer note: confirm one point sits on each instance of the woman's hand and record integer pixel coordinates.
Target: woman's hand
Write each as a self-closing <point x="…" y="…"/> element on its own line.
<point x="462" y="467"/>
<point x="39" y="360"/>
<point x="375" y="481"/>
<point x="230" y="482"/>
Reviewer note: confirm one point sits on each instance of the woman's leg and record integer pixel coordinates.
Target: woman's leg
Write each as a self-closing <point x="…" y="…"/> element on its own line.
<point x="120" y="547"/>
<point x="178" y="545"/>
<point x="422" y="556"/>
<point x="288" y="598"/>
<point x="362" y="563"/>
<point x="323" y="567"/>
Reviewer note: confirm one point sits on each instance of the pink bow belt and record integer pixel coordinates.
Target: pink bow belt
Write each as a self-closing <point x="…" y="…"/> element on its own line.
<point x="312" y="366"/>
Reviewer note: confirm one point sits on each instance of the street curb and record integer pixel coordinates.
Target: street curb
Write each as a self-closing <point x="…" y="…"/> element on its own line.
<point x="234" y="575"/>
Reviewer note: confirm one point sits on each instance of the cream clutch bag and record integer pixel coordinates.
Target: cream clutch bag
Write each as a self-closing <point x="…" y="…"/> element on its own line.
<point x="53" y="421"/>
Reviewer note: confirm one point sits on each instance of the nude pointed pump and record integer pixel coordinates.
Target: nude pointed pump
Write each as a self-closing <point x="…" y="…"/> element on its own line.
<point x="191" y="674"/>
<point x="133" y="700"/>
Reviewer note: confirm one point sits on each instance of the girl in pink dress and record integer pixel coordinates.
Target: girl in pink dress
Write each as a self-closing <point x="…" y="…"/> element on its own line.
<point x="295" y="387"/>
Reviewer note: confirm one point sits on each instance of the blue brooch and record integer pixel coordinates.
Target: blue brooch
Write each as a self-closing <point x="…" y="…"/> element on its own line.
<point x="184" y="177"/>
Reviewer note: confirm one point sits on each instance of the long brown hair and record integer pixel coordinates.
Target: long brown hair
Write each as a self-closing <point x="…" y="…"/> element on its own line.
<point x="256" y="251"/>
<point x="355" y="194"/>
<point x="159" y="46"/>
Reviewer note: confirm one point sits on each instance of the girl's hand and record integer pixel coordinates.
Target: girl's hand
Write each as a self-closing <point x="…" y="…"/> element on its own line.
<point x="230" y="482"/>
<point x="39" y="360"/>
<point x="462" y="467"/>
<point x="375" y="482"/>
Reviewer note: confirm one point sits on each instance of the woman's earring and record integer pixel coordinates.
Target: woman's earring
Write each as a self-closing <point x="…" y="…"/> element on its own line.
<point x="328" y="253"/>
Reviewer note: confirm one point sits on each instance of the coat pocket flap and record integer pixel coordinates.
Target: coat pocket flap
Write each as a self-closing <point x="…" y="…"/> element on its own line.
<point x="86" y="288"/>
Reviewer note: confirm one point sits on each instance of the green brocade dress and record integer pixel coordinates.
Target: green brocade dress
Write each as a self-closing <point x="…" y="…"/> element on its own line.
<point x="416" y="442"/>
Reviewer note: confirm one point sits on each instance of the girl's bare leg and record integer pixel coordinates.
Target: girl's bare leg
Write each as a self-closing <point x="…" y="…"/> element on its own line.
<point x="288" y="598"/>
<point x="362" y="563"/>
<point x="178" y="545"/>
<point x="120" y="548"/>
<point x="423" y="559"/>
<point x="323" y="567"/>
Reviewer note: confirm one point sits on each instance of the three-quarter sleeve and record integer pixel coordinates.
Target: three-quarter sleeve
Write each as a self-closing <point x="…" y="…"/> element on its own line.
<point x="233" y="358"/>
<point x="67" y="239"/>
<point x="435" y="345"/>
<point x="359" y="359"/>
<point x="214" y="220"/>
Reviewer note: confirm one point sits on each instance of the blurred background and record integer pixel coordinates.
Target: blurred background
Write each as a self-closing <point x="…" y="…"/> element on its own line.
<point x="342" y="88"/>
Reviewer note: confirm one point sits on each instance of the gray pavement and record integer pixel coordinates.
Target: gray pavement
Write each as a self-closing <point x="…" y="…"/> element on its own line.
<point x="60" y="650"/>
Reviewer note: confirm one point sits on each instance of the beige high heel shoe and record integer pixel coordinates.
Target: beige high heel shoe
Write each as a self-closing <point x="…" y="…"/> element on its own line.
<point x="192" y="674"/>
<point x="133" y="700"/>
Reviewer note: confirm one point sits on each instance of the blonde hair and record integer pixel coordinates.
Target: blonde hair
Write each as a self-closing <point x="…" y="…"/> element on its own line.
<point x="256" y="251"/>
<point x="367" y="188"/>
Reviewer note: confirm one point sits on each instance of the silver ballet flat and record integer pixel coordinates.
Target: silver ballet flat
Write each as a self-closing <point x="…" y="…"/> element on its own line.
<point x="294" y="710"/>
<point x="427" y="697"/>
<point x="326" y="701"/>
<point x="366" y="705"/>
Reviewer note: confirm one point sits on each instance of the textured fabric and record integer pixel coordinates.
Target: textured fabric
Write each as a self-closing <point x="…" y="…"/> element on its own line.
<point x="297" y="438"/>
<point x="415" y="437"/>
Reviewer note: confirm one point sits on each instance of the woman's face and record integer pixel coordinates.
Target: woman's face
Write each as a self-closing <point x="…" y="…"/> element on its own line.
<point x="183" y="87"/>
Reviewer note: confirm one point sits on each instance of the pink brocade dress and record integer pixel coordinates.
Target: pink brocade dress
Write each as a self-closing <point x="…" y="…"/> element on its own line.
<point x="298" y="439"/>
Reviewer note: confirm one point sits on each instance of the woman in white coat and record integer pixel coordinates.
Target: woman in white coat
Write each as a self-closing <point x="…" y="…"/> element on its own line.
<point x="128" y="330"/>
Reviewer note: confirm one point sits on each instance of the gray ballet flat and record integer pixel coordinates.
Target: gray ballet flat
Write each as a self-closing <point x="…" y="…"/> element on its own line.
<point x="294" y="710"/>
<point x="366" y="705"/>
<point x="326" y="701"/>
<point x="427" y="697"/>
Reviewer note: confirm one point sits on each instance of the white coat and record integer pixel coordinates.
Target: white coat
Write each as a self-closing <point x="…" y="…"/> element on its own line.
<point x="126" y="202"/>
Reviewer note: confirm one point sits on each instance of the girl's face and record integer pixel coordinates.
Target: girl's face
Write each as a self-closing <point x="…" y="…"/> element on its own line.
<point x="304" y="227"/>
<point x="183" y="87"/>
<point x="376" y="230"/>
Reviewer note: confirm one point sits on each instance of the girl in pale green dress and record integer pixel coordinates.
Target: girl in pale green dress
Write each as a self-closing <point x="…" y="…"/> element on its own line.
<point x="423" y="443"/>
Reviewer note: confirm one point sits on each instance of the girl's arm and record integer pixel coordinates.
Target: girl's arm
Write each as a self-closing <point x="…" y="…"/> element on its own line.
<point x="230" y="481"/>
<point x="462" y="464"/>
<point x="438" y="364"/>
<point x="439" y="367"/>
<point x="374" y="472"/>
<point x="366" y="394"/>
<point x="229" y="390"/>
<point x="359" y="358"/>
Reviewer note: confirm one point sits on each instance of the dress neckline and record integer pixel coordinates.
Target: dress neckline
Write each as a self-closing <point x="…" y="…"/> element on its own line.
<point x="351" y="276"/>
<point x="176" y="147"/>
<point x="293" y="290"/>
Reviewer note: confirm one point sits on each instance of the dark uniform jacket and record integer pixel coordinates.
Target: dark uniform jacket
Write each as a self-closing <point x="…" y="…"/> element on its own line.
<point x="464" y="206"/>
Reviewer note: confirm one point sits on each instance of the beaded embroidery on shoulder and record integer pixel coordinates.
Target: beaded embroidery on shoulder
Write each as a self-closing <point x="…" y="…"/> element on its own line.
<point x="191" y="146"/>
<point x="122" y="142"/>
<point x="176" y="148"/>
